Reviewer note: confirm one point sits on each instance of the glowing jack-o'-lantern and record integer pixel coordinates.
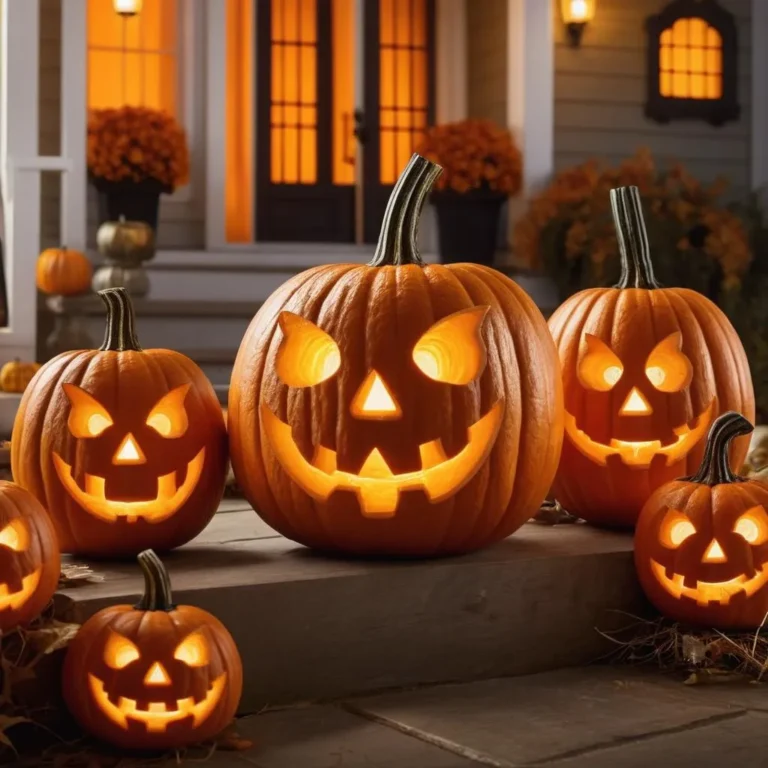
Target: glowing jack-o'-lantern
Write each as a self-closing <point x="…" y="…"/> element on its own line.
<point x="701" y="543"/>
<point x="29" y="557"/>
<point x="153" y="676"/>
<point x="396" y="407"/>
<point x="126" y="447"/>
<point x="645" y="371"/>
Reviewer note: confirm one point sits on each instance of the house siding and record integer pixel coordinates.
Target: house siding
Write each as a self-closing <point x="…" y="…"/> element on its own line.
<point x="181" y="224"/>
<point x="487" y="60"/>
<point x="600" y="98"/>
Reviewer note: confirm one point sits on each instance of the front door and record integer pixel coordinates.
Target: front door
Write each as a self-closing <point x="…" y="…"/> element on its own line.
<point x="335" y="124"/>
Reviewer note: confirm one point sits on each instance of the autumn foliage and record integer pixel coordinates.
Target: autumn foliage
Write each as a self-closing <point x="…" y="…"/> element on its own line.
<point x="474" y="154"/>
<point x="136" y="144"/>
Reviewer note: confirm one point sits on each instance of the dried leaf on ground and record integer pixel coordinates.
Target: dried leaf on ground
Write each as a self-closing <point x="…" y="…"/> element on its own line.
<point x="552" y="513"/>
<point x="6" y="723"/>
<point x="76" y="574"/>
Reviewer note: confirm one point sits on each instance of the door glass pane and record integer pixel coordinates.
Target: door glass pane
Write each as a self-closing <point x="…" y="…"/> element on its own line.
<point x="403" y="82"/>
<point x="293" y="109"/>
<point x="343" y="47"/>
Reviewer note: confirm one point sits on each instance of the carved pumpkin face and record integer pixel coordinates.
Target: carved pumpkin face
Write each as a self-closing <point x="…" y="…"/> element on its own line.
<point x="452" y="352"/>
<point x="29" y="557"/>
<point x="133" y="444"/>
<point x="702" y="542"/>
<point x="154" y="676"/>
<point x="646" y="370"/>
<point x="387" y="408"/>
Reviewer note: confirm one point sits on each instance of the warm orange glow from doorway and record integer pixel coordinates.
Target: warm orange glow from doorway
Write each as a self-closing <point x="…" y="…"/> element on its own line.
<point x="239" y="200"/>
<point x="133" y="59"/>
<point x="293" y="115"/>
<point x="691" y="61"/>
<point x="403" y="78"/>
<point x="343" y="47"/>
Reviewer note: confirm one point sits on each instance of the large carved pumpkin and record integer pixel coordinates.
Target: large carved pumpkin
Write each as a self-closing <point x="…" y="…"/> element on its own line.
<point x="29" y="557"/>
<point x="646" y="370"/>
<point x="701" y="543"/>
<point x="126" y="447"/>
<point x="155" y="675"/>
<point x="397" y="408"/>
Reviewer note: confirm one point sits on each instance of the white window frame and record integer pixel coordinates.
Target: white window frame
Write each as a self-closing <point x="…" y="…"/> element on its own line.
<point x="759" y="97"/>
<point x="450" y="90"/>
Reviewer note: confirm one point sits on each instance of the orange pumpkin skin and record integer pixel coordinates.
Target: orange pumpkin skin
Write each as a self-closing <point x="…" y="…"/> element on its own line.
<point x="155" y="652"/>
<point x="63" y="271"/>
<point x="376" y="315"/>
<point x="647" y="329"/>
<point x="123" y="386"/>
<point x="701" y="543"/>
<point x="29" y="557"/>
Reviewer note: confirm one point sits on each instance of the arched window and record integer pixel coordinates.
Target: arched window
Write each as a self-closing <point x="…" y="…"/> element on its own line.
<point x="692" y="60"/>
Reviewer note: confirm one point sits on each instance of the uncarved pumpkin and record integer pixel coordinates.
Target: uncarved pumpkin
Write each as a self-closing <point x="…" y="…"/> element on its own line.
<point x="155" y="675"/>
<point x="701" y="543"/>
<point x="63" y="271"/>
<point x="29" y="557"/>
<point x="646" y="370"/>
<point x="16" y="375"/>
<point x="397" y="408"/>
<point x="126" y="447"/>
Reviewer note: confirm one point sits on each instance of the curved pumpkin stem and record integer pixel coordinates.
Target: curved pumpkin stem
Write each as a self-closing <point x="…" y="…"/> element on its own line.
<point x="636" y="267"/>
<point x="400" y="228"/>
<point x="715" y="467"/>
<point x="157" y="584"/>
<point x="120" y="334"/>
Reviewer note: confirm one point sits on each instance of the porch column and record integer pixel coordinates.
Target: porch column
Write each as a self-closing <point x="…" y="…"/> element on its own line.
<point x="19" y="64"/>
<point x="531" y="87"/>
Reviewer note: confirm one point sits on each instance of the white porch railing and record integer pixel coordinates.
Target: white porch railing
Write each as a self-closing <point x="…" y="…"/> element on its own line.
<point x="21" y="164"/>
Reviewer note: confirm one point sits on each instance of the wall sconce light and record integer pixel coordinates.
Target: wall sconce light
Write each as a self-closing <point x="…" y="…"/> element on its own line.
<point x="576" y="15"/>
<point x="127" y="7"/>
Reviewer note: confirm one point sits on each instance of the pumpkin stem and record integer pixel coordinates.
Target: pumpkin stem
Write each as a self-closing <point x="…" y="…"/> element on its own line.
<point x="400" y="228"/>
<point x="636" y="267"/>
<point x="715" y="467"/>
<point x="120" y="334"/>
<point x="157" y="584"/>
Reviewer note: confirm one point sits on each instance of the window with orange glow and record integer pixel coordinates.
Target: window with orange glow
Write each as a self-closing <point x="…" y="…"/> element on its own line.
<point x="403" y="82"/>
<point x="691" y="61"/>
<point x="343" y="47"/>
<point x="133" y="60"/>
<point x="293" y="109"/>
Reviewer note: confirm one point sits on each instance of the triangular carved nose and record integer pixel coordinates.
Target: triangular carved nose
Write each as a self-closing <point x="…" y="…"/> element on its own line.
<point x="636" y="404"/>
<point x="374" y="400"/>
<point x="157" y="675"/>
<point x="714" y="553"/>
<point x="129" y="452"/>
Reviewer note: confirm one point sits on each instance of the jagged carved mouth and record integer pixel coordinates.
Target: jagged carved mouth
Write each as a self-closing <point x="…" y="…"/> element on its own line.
<point x="14" y="600"/>
<point x="641" y="453"/>
<point x="169" y="499"/>
<point x="706" y="592"/>
<point x="377" y="487"/>
<point x="156" y="715"/>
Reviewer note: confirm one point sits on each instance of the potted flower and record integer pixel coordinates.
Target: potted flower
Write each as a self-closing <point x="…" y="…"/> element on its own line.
<point x="482" y="168"/>
<point x="134" y="155"/>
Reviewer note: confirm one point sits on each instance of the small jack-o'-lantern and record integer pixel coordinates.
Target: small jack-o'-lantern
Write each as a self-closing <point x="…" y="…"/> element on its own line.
<point x="701" y="543"/>
<point x="397" y="407"/>
<point x="29" y="557"/>
<point x="155" y="675"/>
<point x="646" y="370"/>
<point x="126" y="447"/>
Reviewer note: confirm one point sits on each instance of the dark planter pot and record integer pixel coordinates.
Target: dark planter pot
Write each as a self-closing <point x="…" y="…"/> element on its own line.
<point x="468" y="225"/>
<point x="136" y="200"/>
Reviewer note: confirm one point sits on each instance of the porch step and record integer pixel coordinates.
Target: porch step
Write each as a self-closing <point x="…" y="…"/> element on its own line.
<point x="310" y="627"/>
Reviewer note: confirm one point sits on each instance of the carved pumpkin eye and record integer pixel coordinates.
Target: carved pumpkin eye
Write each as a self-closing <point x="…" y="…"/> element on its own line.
<point x="752" y="526"/>
<point x="667" y="368"/>
<point x="452" y="350"/>
<point x="307" y="355"/>
<point x="15" y="536"/>
<point x="119" y="651"/>
<point x="675" y="529"/>
<point x="87" y="416"/>
<point x="169" y="417"/>
<point x="193" y="650"/>
<point x="599" y="368"/>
